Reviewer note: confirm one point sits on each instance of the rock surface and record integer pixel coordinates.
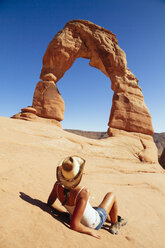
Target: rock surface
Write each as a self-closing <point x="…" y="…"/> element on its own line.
<point x="84" y="39"/>
<point x="29" y="109"/>
<point x="49" y="77"/>
<point x="159" y="139"/>
<point x="28" y="116"/>
<point x="29" y="154"/>
<point x="48" y="101"/>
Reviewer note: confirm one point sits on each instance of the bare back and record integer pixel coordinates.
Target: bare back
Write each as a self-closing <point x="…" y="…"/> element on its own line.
<point x="74" y="193"/>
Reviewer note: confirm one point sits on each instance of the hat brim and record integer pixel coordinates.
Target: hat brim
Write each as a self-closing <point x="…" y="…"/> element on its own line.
<point x="70" y="183"/>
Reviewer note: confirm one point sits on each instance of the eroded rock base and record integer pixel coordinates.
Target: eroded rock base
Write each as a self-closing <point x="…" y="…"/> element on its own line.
<point x="29" y="114"/>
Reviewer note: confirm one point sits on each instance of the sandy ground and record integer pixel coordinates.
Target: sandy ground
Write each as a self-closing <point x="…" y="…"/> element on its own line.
<point x="29" y="153"/>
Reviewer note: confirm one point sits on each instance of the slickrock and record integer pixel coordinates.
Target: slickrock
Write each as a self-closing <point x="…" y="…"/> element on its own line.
<point x="29" y="155"/>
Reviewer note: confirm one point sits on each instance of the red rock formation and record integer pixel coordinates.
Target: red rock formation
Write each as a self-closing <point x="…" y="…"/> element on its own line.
<point x="48" y="101"/>
<point x="84" y="39"/>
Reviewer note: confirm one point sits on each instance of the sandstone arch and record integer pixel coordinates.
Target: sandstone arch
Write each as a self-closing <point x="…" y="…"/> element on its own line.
<point x="84" y="39"/>
<point x="129" y="119"/>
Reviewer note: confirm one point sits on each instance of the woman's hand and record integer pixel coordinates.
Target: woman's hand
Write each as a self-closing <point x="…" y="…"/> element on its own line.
<point x="75" y="223"/>
<point x="95" y="234"/>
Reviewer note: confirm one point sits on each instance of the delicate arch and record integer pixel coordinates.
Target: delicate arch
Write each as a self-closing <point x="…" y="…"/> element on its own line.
<point x="84" y="39"/>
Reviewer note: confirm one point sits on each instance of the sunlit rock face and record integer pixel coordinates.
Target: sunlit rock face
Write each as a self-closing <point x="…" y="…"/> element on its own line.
<point x="48" y="102"/>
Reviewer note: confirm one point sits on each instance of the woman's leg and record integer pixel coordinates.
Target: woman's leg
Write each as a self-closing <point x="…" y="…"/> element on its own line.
<point x="109" y="203"/>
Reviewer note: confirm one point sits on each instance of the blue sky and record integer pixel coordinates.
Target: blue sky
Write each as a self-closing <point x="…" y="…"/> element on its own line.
<point x="27" y="27"/>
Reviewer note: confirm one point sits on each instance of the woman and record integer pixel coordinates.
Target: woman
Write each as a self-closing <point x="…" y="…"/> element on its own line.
<point x="75" y="198"/>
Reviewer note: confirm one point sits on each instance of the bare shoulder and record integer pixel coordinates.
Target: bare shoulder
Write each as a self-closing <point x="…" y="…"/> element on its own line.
<point x="84" y="193"/>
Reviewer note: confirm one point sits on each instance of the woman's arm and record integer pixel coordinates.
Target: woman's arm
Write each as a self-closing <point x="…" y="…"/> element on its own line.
<point x="78" y="213"/>
<point x="52" y="196"/>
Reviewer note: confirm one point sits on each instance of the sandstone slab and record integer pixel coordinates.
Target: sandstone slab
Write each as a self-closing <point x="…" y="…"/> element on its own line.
<point x="29" y="155"/>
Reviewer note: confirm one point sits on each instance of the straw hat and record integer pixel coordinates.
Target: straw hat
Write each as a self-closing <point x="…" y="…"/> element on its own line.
<point x="70" y="170"/>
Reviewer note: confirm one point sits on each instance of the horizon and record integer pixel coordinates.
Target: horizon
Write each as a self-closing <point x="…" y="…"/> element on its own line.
<point x="27" y="29"/>
<point x="66" y="129"/>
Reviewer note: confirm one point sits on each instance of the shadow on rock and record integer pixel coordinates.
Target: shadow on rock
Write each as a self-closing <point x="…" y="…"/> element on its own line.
<point x="63" y="217"/>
